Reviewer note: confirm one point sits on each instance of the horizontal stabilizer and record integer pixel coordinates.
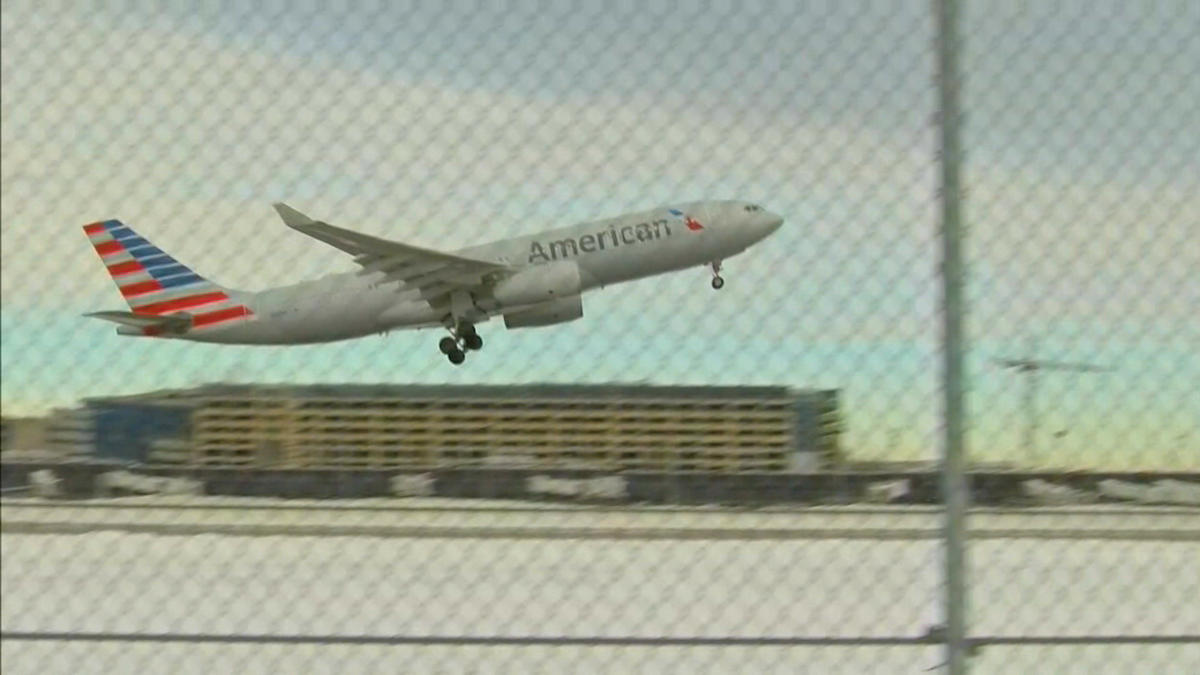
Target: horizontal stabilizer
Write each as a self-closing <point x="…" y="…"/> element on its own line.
<point x="175" y="322"/>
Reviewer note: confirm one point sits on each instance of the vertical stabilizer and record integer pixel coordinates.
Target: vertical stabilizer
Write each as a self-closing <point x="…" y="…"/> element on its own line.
<point x="154" y="283"/>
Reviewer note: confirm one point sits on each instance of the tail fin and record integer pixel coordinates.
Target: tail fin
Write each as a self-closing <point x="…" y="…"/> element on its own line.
<point x="154" y="283"/>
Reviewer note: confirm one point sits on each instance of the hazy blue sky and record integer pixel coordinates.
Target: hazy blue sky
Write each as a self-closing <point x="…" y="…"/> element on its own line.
<point x="447" y="124"/>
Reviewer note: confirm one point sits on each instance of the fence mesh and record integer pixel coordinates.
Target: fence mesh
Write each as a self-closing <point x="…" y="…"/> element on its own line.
<point x="1083" y="241"/>
<point x="448" y="126"/>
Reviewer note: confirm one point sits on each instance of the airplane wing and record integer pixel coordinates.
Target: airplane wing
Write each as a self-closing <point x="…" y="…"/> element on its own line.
<point x="434" y="273"/>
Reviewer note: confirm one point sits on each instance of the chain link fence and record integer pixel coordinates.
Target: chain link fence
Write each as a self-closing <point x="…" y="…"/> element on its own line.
<point x="1083" y="237"/>
<point x="448" y="125"/>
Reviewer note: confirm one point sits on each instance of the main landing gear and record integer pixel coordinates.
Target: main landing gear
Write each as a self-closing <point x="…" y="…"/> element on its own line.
<point x="717" y="281"/>
<point x="456" y="345"/>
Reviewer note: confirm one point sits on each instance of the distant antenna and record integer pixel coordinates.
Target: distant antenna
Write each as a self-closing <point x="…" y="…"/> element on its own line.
<point x="1032" y="367"/>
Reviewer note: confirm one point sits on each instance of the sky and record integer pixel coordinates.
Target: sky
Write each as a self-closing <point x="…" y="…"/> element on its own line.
<point x="450" y="124"/>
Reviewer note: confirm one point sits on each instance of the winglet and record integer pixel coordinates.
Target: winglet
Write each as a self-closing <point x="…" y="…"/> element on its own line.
<point x="291" y="217"/>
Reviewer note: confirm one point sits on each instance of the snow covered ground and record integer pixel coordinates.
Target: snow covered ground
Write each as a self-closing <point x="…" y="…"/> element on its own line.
<point x="115" y="581"/>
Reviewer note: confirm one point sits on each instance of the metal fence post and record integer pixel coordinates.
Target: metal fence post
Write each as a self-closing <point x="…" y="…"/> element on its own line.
<point x="953" y="464"/>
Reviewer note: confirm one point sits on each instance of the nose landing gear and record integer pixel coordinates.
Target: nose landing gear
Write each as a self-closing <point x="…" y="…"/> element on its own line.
<point x="717" y="281"/>
<point x="459" y="342"/>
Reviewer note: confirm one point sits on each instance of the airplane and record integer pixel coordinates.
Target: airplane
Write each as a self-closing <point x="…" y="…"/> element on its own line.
<point x="531" y="281"/>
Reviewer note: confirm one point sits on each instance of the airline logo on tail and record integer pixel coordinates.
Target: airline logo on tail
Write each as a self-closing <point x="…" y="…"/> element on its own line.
<point x="155" y="284"/>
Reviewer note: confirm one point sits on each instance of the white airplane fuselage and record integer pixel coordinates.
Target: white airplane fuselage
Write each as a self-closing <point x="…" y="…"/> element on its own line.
<point x="606" y="252"/>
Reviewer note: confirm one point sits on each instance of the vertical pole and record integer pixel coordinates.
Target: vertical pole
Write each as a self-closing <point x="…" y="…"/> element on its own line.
<point x="1032" y="372"/>
<point x="954" y="488"/>
<point x="1031" y="415"/>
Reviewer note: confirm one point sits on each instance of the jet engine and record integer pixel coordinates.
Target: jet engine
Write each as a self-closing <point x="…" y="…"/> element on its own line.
<point x="539" y="283"/>
<point x="560" y="310"/>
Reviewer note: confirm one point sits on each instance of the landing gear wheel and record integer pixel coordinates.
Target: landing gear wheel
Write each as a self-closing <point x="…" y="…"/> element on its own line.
<point x="448" y="345"/>
<point x="456" y="356"/>
<point x="472" y="341"/>
<point x="717" y="281"/>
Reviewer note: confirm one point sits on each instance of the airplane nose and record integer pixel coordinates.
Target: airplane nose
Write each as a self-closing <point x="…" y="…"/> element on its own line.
<point x="774" y="221"/>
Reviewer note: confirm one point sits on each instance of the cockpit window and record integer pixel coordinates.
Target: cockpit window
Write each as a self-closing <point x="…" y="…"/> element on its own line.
<point x="752" y="207"/>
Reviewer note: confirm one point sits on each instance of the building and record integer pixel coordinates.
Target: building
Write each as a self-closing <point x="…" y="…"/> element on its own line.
<point x="70" y="432"/>
<point x="22" y="435"/>
<point x="606" y="427"/>
<point x="65" y="433"/>
<point x="141" y="431"/>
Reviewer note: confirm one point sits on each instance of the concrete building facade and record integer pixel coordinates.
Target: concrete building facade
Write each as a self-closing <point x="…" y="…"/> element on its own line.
<point x="604" y="427"/>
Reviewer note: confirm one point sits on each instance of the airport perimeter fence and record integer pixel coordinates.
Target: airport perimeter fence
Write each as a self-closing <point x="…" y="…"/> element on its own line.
<point x="989" y="250"/>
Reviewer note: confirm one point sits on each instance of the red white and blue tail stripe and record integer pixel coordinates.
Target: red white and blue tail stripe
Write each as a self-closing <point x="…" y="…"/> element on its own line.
<point x="155" y="284"/>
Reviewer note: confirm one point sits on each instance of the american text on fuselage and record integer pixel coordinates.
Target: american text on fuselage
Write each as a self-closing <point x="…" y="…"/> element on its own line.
<point x="612" y="237"/>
